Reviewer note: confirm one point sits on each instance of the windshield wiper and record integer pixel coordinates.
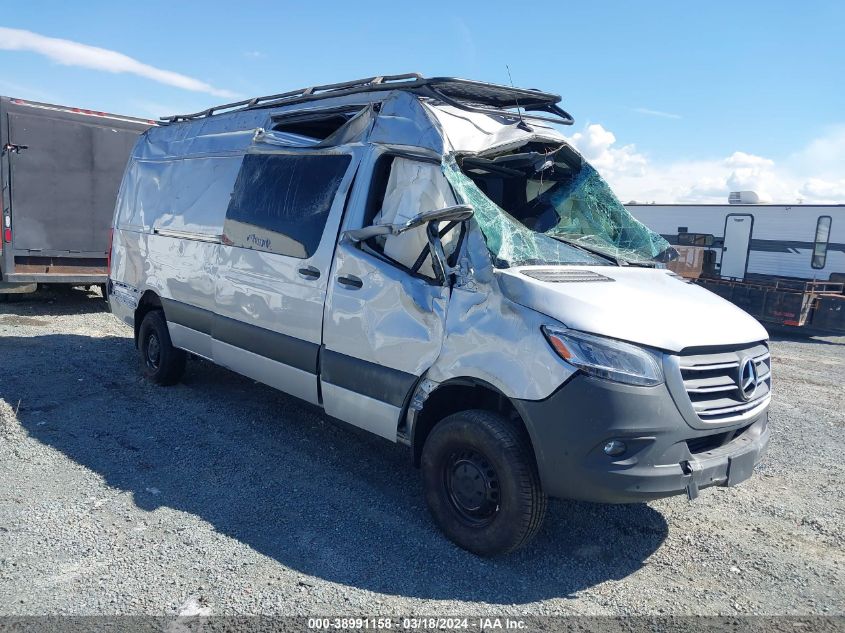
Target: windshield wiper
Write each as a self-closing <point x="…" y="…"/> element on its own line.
<point x="616" y="260"/>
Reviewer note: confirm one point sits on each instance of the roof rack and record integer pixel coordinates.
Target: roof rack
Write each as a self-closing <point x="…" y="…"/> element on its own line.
<point x="475" y="96"/>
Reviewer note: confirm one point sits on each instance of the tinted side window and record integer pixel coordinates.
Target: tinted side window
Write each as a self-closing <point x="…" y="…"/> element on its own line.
<point x="280" y="203"/>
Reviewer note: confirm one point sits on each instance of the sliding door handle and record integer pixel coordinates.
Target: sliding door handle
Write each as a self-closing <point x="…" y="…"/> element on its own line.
<point x="309" y="273"/>
<point x="350" y="281"/>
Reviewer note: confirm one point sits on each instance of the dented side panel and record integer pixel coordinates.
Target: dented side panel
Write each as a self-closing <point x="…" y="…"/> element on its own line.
<point x="490" y="338"/>
<point x="382" y="327"/>
<point x="392" y="318"/>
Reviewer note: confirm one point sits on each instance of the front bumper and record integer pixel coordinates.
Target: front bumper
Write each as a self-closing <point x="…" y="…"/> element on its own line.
<point x="665" y="456"/>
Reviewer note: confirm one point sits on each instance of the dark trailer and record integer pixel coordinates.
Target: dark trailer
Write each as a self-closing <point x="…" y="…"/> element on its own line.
<point x="60" y="169"/>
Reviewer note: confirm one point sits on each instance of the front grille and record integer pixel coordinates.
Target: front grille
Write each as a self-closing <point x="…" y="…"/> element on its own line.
<point x="712" y="442"/>
<point x="712" y="381"/>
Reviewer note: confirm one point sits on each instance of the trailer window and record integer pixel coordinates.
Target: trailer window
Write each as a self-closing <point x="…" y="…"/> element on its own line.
<point x="820" y="244"/>
<point x="281" y="203"/>
<point x="695" y="239"/>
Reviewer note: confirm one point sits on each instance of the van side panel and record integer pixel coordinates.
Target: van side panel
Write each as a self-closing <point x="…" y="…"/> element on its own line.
<point x="126" y="265"/>
<point x="495" y="340"/>
<point x="293" y="381"/>
<point x="269" y="297"/>
<point x="169" y="217"/>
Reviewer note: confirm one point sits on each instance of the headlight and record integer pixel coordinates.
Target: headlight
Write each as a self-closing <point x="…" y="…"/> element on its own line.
<point x="606" y="358"/>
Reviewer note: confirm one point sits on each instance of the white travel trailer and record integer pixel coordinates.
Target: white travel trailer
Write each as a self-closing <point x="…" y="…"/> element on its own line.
<point x="751" y="241"/>
<point x="431" y="261"/>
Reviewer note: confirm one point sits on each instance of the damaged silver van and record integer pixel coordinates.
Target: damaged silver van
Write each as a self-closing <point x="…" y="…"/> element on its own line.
<point x="430" y="260"/>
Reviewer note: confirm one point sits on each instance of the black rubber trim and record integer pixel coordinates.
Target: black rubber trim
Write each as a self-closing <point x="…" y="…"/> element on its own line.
<point x="273" y="345"/>
<point x="369" y="379"/>
<point x="276" y="346"/>
<point x="366" y="378"/>
<point x="187" y="315"/>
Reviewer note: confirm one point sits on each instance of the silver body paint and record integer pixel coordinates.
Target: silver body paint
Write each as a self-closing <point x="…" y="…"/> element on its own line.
<point x="169" y="223"/>
<point x="659" y="311"/>
<point x="492" y="338"/>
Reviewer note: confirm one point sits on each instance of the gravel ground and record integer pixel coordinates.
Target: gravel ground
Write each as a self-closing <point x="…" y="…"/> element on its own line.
<point x="226" y="496"/>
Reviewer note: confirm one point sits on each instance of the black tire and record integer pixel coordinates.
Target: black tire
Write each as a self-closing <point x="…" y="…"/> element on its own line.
<point x="481" y="483"/>
<point x="161" y="363"/>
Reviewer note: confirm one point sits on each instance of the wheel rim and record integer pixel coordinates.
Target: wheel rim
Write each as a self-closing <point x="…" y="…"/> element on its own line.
<point x="153" y="356"/>
<point x="472" y="485"/>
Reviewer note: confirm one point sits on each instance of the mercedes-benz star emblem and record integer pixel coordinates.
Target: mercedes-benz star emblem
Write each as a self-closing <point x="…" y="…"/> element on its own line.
<point x="748" y="378"/>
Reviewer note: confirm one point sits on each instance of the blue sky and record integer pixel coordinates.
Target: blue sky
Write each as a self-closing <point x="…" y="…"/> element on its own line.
<point x="673" y="100"/>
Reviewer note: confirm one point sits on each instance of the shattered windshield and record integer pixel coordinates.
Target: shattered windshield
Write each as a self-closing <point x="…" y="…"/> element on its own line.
<point x="540" y="207"/>
<point x="510" y="243"/>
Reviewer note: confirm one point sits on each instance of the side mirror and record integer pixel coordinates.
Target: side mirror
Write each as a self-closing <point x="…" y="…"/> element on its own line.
<point x="457" y="213"/>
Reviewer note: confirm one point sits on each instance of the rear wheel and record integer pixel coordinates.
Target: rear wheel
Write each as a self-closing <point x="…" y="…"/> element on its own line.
<point x="161" y="363"/>
<point x="481" y="483"/>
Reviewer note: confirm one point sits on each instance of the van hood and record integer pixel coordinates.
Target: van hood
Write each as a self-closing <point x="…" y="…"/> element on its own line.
<point x="648" y="306"/>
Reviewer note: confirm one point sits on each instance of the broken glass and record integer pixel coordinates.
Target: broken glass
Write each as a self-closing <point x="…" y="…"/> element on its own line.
<point x="589" y="213"/>
<point x="547" y="197"/>
<point x="510" y="243"/>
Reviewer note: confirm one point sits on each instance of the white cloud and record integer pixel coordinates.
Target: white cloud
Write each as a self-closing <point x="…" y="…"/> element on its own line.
<point x="657" y="113"/>
<point x="826" y="153"/>
<point x="598" y="146"/>
<point x="254" y="55"/>
<point x="818" y="190"/>
<point x="813" y="174"/>
<point x="69" y="53"/>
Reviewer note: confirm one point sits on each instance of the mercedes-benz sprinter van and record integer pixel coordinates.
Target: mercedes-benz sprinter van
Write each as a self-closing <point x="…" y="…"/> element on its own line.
<point x="431" y="260"/>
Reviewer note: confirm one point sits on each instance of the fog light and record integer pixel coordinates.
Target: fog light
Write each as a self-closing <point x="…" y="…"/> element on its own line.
<point x="614" y="448"/>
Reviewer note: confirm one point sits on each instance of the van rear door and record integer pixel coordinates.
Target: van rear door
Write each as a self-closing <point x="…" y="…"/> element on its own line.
<point x="273" y="267"/>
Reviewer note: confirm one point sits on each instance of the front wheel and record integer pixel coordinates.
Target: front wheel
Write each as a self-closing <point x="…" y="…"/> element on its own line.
<point x="481" y="483"/>
<point x="161" y="363"/>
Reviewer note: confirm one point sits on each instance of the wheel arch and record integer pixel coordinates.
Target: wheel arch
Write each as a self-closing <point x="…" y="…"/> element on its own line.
<point x="148" y="302"/>
<point x="453" y="396"/>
